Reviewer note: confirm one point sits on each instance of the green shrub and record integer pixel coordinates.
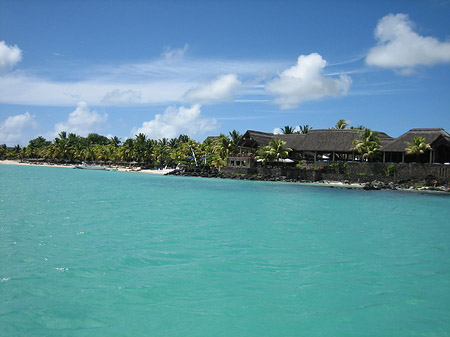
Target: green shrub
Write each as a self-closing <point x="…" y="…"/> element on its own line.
<point x="391" y="169"/>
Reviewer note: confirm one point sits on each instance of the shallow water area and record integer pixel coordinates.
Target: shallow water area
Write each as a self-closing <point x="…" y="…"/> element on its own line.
<point x="101" y="253"/>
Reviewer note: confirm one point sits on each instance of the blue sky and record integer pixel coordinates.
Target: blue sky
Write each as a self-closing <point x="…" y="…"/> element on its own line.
<point x="205" y="67"/>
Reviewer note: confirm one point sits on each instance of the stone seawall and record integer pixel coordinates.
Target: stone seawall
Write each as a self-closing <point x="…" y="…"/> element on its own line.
<point x="354" y="172"/>
<point x="372" y="175"/>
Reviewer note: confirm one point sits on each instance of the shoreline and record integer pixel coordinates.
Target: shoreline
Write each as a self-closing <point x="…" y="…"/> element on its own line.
<point x="71" y="166"/>
<point x="328" y="184"/>
<point x="367" y="186"/>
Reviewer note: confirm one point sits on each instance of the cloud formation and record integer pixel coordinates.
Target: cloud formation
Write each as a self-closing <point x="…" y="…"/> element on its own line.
<point x="169" y="52"/>
<point x="175" y="121"/>
<point x="82" y="121"/>
<point x="9" y="56"/>
<point x="399" y="46"/>
<point x="277" y="131"/>
<point x="117" y="96"/>
<point x="305" y="82"/>
<point x="11" y="130"/>
<point x="219" y="90"/>
<point x="162" y="81"/>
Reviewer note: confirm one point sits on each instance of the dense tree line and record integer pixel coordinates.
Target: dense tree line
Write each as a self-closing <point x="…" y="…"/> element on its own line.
<point x="72" y="148"/>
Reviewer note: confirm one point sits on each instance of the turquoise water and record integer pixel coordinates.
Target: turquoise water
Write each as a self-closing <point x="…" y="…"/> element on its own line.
<point x="88" y="253"/>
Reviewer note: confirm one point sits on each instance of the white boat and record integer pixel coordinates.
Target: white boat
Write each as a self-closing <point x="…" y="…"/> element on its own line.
<point x="89" y="167"/>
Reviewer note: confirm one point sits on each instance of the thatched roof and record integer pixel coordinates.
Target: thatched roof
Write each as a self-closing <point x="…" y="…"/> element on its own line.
<point x="431" y="136"/>
<point x="255" y="139"/>
<point x="338" y="140"/>
<point x="259" y="139"/>
<point x="293" y="141"/>
<point x="325" y="140"/>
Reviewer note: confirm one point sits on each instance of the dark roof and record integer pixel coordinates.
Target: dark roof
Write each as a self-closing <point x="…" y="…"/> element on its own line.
<point x="255" y="139"/>
<point x="315" y="140"/>
<point x="338" y="140"/>
<point x="293" y="141"/>
<point x="430" y="136"/>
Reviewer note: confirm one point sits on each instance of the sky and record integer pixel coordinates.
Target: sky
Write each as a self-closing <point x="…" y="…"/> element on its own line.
<point x="201" y="68"/>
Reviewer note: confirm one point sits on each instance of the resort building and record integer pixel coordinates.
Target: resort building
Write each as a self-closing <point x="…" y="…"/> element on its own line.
<point x="338" y="145"/>
<point x="438" y="139"/>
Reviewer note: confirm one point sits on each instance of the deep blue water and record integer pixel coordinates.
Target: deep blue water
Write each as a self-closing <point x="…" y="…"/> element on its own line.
<point x="88" y="253"/>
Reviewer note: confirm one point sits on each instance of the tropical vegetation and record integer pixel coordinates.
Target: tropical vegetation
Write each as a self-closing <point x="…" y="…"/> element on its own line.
<point x="141" y="150"/>
<point x="274" y="151"/>
<point x="368" y="144"/>
<point x="417" y="147"/>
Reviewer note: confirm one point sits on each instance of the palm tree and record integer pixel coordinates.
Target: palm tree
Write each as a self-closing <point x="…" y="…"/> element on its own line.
<point x="275" y="150"/>
<point x="359" y="127"/>
<point x="162" y="150"/>
<point x="279" y="149"/>
<point x="368" y="144"/>
<point x="304" y="129"/>
<point x="287" y="130"/>
<point x="140" y="147"/>
<point x="2" y="151"/>
<point x="183" y="138"/>
<point x="235" y="137"/>
<point x="222" y="148"/>
<point x="417" y="147"/>
<point x="114" y="141"/>
<point x="341" y="124"/>
<point x="62" y="135"/>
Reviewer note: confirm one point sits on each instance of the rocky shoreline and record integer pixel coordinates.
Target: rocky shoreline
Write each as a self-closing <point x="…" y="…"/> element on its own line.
<point x="413" y="186"/>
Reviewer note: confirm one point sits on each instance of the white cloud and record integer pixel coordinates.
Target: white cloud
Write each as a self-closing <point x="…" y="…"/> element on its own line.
<point x="9" y="56"/>
<point x="399" y="46"/>
<point x="13" y="128"/>
<point x="277" y="131"/>
<point x="117" y="96"/>
<point x="175" y="121"/>
<point x="305" y="82"/>
<point x="82" y="121"/>
<point x="169" y="52"/>
<point x="23" y="89"/>
<point x="219" y="90"/>
<point x="161" y="82"/>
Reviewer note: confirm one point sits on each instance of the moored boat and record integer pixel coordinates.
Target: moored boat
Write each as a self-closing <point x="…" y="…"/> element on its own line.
<point x="89" y="167"/>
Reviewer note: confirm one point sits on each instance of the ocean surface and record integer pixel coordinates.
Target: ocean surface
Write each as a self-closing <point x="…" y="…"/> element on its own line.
<point x="93" y="253"/>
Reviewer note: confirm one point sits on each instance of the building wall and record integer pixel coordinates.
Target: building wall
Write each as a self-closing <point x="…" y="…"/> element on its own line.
<point x="354" y="172"/>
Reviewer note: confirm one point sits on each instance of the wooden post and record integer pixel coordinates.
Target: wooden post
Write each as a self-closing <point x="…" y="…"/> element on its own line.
<point x="403" y="157"/>
<point x="333" y="155"/>
<point x="431" y="156"/>
<point x="384" y="157"/>
<point x="315" y="156"/>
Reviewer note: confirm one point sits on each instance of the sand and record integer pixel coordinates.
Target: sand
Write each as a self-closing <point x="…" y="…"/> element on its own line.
<point x="120" y="169"/>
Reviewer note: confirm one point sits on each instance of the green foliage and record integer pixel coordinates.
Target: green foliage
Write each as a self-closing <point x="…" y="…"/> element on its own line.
<point x="96" y="139"/>
<point x="274" y="151"/>
<point x="341" y="124"/>
<point x="96" y="147"/>
<point x="390" y="171"/>
<point x="304" y="129"/>
<point x="235" y="138"/>
<point x="287" y="130"/>
<point x="300" y="164"/>
<point x="2" y="151"/>
<point x="417" y="147"/>
<point x="368" y="144"/>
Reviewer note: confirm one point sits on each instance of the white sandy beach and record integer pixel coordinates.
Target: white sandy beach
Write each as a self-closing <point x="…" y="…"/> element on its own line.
<point x="120" y="169"/>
